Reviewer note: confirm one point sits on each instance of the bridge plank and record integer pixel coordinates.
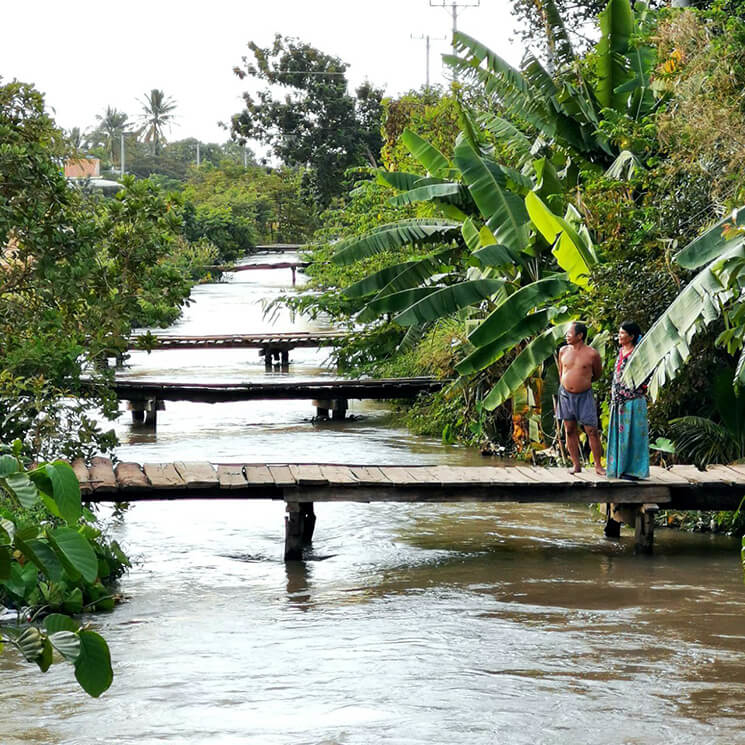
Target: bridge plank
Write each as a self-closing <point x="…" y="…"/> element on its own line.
<point x="663" y="475"/>
<point x="454" y="476"/>
<point x="339" y="475"/>
<point x="282" y="476"/>
<point x="230" y="477"/>
<point x="308" y="475"/>
<point x="554" y="475"/>
<point x="131" y="476"/>
<point x="370" y="476"/>
<point x="196" y="474"/>
<point x="101" y="474"/>
<point x="81" y="472"/>
<point x="399" y="475"/>
<point x="258" y="476"/>
<point x="692" y="474"/>
<point x="737" y="468"/>
<point x="163" y="476"/>
<point x="734" y="477"/>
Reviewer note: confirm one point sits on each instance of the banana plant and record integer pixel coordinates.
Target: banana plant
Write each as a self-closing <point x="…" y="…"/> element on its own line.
<point x="719" y="254"/>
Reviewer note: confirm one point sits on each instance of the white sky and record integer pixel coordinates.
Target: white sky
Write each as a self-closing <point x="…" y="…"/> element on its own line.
<point x="87" y="55"/>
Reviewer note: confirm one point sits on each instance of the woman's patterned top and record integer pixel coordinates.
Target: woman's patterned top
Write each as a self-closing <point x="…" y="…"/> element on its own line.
<point x="619" y="391"/>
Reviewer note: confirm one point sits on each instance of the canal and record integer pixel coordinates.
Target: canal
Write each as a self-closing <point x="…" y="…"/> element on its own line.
<point x="408" y="623"/>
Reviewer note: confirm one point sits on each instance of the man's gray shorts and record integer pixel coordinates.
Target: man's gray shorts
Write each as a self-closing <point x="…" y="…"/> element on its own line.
<point x="578" y="407"/>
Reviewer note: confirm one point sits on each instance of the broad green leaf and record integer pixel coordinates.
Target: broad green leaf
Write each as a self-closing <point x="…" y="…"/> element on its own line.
<point x="571" y="253"/>
<point x="66" y="490"/>
<point x="428" y="155"/>
<point x="524" y="365"/>
<point x="430" y="193"/>
<point x="665" y="348"/>
<point x="448" y="300"/>
<point x="74" y="552"/>
<point x="503" y="211"/>
<point x="55" y="622"/>
<point x="8" y="465"/>
<point x="67" y="643"/>
<point x="93" y="665"/>
<point x="22" y="488"/>
<point x="517" y="306"/>
<point x="415" y="231"/>
<point x="496" y="255"/>
<point x="495" y="350"/>
<point x="509" y="136"/>
<point x="616" y="26"/>
<point x="397" y="179"/>
<point x="31" y="643"/>
<point x="7" y="531"/>
<point x="73" y="603"/>
<point x="395" y="302"/>
<point x="714" y="242"/>
<point x="376" y="281"/>
<point x="42" y="555"/>
<point x="420" y="271"/>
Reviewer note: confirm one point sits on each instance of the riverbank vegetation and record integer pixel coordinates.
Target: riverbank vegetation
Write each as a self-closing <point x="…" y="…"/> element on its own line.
<point x="581" y="185"/>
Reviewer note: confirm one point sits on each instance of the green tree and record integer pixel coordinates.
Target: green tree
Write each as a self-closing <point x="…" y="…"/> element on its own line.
<point x="157" y="115"/>
<point x="112" y="124"/>
<point x="317" y="125"/>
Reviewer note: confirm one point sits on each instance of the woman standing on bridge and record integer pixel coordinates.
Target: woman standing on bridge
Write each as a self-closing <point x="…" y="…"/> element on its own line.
<point x="628" y="433"/>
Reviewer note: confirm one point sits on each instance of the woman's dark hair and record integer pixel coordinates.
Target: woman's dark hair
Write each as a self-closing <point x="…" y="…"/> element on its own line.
<point x="633" y="330"/>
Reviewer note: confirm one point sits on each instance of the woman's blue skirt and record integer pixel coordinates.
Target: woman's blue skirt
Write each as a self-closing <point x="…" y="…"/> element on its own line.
<point x="628" y="440"/>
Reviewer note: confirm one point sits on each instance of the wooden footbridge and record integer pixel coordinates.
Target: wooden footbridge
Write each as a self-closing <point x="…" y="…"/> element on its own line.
<point x="272" y="347"/>
<point x="146" y="398"/>
<point x="301" y="485"/>
<point x="292" y="265"/>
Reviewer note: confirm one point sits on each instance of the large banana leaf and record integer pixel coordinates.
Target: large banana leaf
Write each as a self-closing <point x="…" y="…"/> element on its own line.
<point x="560" y="45"/>
<point x="376" y="281"/>
<point x="665" y="348"/>
<point x="428" y="155"/>
<point x="415" y="231"/>
<point x="572" y="254"/>
<point x="522" y="330"/>
<point x="524" y="365"/>
<point x="397" y="179"/>
<point x="503" y="211"/>
<point x="419" y="272"/>
<point x="432" y="192"/>
<point x="509" y="136"/>
<point x="617" y="26"/>
<point x="496" y="255"/>
<point x="449" y="300"/>
<point x="500" y="78"/>
<point x="715" y="241"/>
<point x="394" y="303"/>
<point x="517" y="306"/>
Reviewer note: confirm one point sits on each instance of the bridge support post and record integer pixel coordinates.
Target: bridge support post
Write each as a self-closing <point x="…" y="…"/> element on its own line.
<point x="300" y="522"/>
<point x="644" y="528"/>
<point x="293" y="275"/>
<point x="285" y="358"/>
<point x="339" y="409"/>
<point x="145" y="413"/>
<point x="641" y="516"/>
<point x="266" y="353"/>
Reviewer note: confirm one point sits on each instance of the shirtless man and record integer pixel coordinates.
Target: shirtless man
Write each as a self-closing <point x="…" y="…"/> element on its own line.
<point x="579" y="366"/>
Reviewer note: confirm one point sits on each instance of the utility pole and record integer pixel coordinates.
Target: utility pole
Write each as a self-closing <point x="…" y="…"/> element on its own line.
<point x="197" y="153"/>
<point x="454" y="5"/>
<point x="427" y="38"/>
<point x="121" y="154"/>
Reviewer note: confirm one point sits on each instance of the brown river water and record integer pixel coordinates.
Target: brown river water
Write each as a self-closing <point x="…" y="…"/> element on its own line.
<point x="408" y="623"/>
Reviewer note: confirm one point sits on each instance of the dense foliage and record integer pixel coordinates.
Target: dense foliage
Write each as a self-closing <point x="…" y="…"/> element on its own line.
<point x="316" y="125"/>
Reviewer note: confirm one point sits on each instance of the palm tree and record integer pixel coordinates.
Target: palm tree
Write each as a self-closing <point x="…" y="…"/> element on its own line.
<point x="158" y="114"/>
<point x="112" y="125"/>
